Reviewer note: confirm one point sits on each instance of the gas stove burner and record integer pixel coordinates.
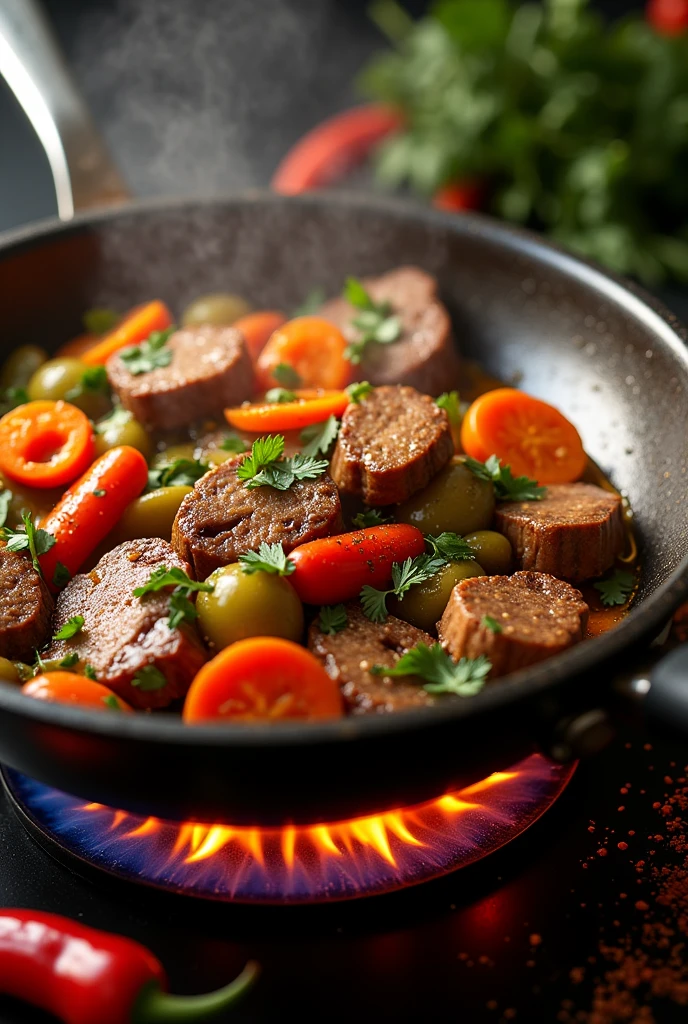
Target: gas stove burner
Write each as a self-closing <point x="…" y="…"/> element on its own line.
<point x="295" y="864"/>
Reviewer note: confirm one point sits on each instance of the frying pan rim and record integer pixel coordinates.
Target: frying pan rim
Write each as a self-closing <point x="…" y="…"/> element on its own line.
<point x="642" y="623"/>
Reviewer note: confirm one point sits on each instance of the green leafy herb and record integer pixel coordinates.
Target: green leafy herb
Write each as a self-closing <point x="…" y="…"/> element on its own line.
<point x="489" y="623"/>
<point x="99" y="493"/>
<point x="264" y="451"/>
<point x="319" y="437"/>
<point x="268" y="558"/>
<point x="10" y="398"/>
<point x="181" y="472"/>
<point x="110" y="701"/>
<point x="5" y="499"/>
<point x="450" y="402"/>
<point x="61" y="576"/>
<point x="371" y="517"/>
<point x="286" y="376"/>
<point x="39" y="663"/>
<point x="265" y="467"/>
<point x="374" y="322"/>
<point x="311" y="304"/>
<point x="450" y="547"/>
<point x="617" y="589"/>
<point x="182" y="609"/>
<point x="94" y="381"/>
<point x="71" y="628"/>
<point x="99" y="321"/>
<point x="117" y="418"/>
<point x="70" y="660"/>
<point x="357" y="392"/>
<point x="149" y="678"/>
<point x="507" y="486"/>
<point x="332" y="619"/>
<point x="91" y="673"/>
<point x="464" y="678"/>
<point x="151" y="354"/>
<point x="278" y="396"/>
<point x="234" y="443"/>
<point x="29" y="537"/>
<point x="405" y="575"/>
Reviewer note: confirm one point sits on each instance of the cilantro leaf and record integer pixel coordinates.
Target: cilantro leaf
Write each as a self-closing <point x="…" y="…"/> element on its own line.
<point x="286" y="376"/>
<point x="357" y="392"/>
<point x="36" y="541"/>
<point x="181" y="607"/>
<point x="306" y="467"/>
<point x="332" y="619"/>
<point x="110" y="701"/>
<point x="507" y="486"/>
<point x="5" y="499"/>
<point x="71" y="627"/>
<point x="617" y="589"/>
<point x="319" y="437"/>
<point x="311" y="304"/>
<point x="149" y="678"/>
<point x="375" y="320"/>
<point x="181" y="472"/>
<point x="489" y="623"/>
<point x="371" y="517"/>
<point x="99" y="320"/>
<point x="265" y="467"/>
<point x="70" y="660"/>
<point x="234" y="443"/>
<point x="442" y="675"/>
<point x="450" y="547"/>
<point x="91" y="673"/>
<point x="151" y="354"/>
<point x="405" y="575"/>
<point x="278" y="396"/>
<point x="450" y="402"/>
<point x="61" y="576"/>
<point x="264" y="451"/>
<point x="268" y="558"/>
<point x="10" y="398"/>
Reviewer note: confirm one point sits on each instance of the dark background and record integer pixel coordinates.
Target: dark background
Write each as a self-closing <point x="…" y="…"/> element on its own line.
<point x="203" y="97"/>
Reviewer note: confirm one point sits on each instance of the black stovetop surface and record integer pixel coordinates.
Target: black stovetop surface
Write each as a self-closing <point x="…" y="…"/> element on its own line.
<point x="495" y="942"/>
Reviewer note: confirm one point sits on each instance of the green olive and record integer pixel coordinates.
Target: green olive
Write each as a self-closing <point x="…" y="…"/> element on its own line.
<point x="456" y="500"/>
<point x="37" y="500"/>
<point x="121" y="428"/>
<point x="217" y="456"/>
<point x="54" y="379"/>
<point x="20" y="366"/>
<point x="171" y="454"/>
<point x="220" y="308"/>
<point x="492" y="550"/>
<point x="242" y="605"/>
<point x="8" y="671"/>
<point x="151" y="515"/>
<point x="424" y="604"/>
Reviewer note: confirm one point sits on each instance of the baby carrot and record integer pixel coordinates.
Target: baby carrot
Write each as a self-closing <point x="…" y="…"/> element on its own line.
<point x="136" y="326"/>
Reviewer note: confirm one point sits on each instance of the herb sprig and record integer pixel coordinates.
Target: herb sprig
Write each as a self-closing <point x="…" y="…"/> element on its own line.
<point x="71" y="627"/>
<point x="370" y="517"/>
<point x="617" y="589"/>
<point x="451" y="403"/>
<point x="286" y="376"/>
<point x="28" y="537"/>
<point x="182" y="608"/>
<point x="405" y="575"/>
<point x="464" y="678"/>
<point x="374" y="322"/>
<point x="332" y="619"/>
<point x="319" y="437"/>
<point x="268" y="558"/>
<point x="507" y="486"/>
<point x="266" y="467"/>
<point x="181" y="472"/>
<point x="450" y="547"/>
<point x="151" y="354"/>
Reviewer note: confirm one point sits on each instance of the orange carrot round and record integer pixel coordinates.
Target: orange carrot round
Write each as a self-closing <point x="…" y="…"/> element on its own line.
<point x="71" y="688"/>
<point x="45" y="444"/>
<point x="257" y="328"/>
<point x="266" y="417"/>
<point x="134" y="328"/>
<point x="313" y="347"/>
<point x="90" y="508"/>
<point x="262" y="679"/>
<point x="534" y="438"/>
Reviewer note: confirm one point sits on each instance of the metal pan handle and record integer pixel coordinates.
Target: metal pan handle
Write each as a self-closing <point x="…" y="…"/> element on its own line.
<point x="666" y="697"/>
<point x="35" y="69"/>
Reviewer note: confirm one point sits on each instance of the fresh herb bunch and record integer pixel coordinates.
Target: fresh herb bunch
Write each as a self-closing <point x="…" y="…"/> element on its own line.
<point x="570" y="125"/>
<point x="267" y="467"/>
<point x="28" y="538"/>
<point x="373" y="322"/>
<point x="182" y="609"/>
<point x="268" y="558"/>
<point x="441" y="674"/>
<point x="405" y="575"/>
<point x="507" y="486"/>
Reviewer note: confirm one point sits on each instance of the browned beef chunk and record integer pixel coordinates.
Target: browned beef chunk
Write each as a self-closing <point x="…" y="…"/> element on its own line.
<point x="123" y="634"/>
<point x="514" y="620"/>
<point x="25" y="607"/>
<point x="390" y="445"/>
<point x="575" y="532"/>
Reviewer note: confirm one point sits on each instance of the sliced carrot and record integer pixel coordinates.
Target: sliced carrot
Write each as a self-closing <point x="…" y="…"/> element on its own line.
<point x="313" y="347"/>
<point x="90" y="508"/>
<point x="257" y="328"/>
<point x="534" y="438"/>
<point x="262" y="679"/>
<point x="134" y="328"/>
<point x="71" y="688"/>
<point x="312" y="407"/>
<point x="45" y="444"/>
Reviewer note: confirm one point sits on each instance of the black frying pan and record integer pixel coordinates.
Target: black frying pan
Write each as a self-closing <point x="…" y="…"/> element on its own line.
<point x="605" y="354"/>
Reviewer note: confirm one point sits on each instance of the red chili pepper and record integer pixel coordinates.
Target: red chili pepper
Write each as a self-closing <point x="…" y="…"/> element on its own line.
<point x="84" y="976"/>
<point x="668" y="17"/>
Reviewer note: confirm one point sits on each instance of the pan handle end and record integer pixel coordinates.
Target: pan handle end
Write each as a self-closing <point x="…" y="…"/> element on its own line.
<point x="666" y="698"/>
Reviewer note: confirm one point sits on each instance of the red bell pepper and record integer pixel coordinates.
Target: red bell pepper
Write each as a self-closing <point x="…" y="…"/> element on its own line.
<point x="84" y="976"/>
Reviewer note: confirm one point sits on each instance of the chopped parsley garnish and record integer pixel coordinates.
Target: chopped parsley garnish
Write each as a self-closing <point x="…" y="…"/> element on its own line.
<point x="442" y="675"/>
<point x="29" y="537"/>
<point x="181" y="472"/>
<point x="5" y="499"/>
<point x="371" y="517"/>
<point x="10" y="398"/>
<point x="110" y="701"/>
<point x="99" y="493"/>
<point x="61" y="576"/>
<point x="617" y="589"/>
<point x="374" y="322"/>
<point x="311" y="304"/>
<point x="117" y="418"/>
<point x="319" y="437"/>
<point x="90" y="672"/>
<point x="278" y="396"/>
<point x="234" y="443"/>
<point x="70" y="660"/>
<point x="182" y="608"/>
<point x="507" y="486"/>
<point x="450" y="547"/>
<point x="149" y="678"/>
<point x="39" y="663"/>
<point x="332" y="619"/>
<point x="450" y="402"/>
<point x="404" y="576"/>
<point x="268" y="558"/>
<point x="286" y="376"/>
<point x="94" y="380"/>
<point x="99" y="321"/>
<point x="358" y="391"/>
<point x="151" y="354"/>
<point x="489" y="623"/>
<point x="71" y="628"/>
<point x="265" y="466"/>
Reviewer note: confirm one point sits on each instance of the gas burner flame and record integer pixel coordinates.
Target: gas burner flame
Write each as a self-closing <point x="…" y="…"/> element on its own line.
<point x="300" y="864"/>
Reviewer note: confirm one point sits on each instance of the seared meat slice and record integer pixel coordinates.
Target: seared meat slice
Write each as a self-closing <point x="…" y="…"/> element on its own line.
<point x="348" y="656"/>
<point x="574" y="533"/>
<point x="515" y="620"/>
<point x="390" y="445"/>
<point x="26" y="607"/>
<point x="123" y="634"/>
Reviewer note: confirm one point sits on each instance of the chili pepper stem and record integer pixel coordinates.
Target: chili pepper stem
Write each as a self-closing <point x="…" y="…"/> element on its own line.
<point x="157" y="1007"/>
